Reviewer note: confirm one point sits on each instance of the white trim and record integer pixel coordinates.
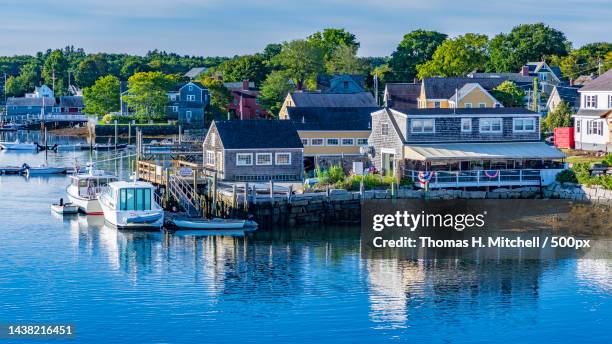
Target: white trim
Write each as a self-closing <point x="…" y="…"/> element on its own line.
<point x="263" y="154"/>
<point x="331" y="138"/>
<point x="347" y="138"/>
<point x="282" y="153"/>
<point x="501" y="126"/>
<point x="468" y="120"/>
<point x="305" y="141"/>
<point x="523" y="130"/>
<point x="317" y="145"/>
<point x="388" y="150"/>
<point x="244" y="154"/>
<point x="482" y="107"/>
<point x="451" y="115"/>
<point x="423" y="120"/>
<point x="214" y="160"/>
<point x="465" y="105"/>
<point x="363" y="144"/>
<point x="187" y="84"/>
<point x="191" y="97"/>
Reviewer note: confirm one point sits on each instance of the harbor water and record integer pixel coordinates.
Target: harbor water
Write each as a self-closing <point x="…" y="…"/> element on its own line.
<point x="302" y="284"/>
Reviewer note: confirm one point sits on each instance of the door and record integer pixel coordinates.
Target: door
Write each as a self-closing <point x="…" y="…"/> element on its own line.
<point x="388" y="164"/>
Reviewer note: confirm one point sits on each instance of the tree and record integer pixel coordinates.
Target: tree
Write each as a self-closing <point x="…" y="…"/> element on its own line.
<point x="29" y="75"/>
<point x="330" y="39"/>
<point x="416" y="48"/>
<point x="559" y="118"/>
<point x="14" y="87"/>
<point x="271" y="50"/>
<point x="147" y="94"/>
<point x="527" y="42"/>
<point x="90" y="69"/>
<point x="509" y="94"/>
<point x="344" y="60"/>
<point x="132" y="65"/>
<point x="55" y="72"/>
<point x="251" y="67"/>
<point x="274" y="90"/>
<point x="301" y="60"/>
<point x="456" y="57"/>
<point x="103" y="96"/>
<point x="220" y="97"/>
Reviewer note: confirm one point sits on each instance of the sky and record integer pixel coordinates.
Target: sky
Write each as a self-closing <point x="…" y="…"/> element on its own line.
<point x="237" y="27"/>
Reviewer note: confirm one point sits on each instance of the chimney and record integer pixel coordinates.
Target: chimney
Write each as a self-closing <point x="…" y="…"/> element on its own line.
<point x="245" y="84"/>
<point x="571" y="81"/>
<point x="525" y="71"/>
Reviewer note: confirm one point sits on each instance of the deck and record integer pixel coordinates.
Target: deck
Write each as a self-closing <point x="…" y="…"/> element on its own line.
<point x="481" y="178"/>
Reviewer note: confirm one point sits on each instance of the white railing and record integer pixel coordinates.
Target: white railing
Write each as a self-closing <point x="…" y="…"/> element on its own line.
<point x="515" y="177"/>
<point x="59" y="117"/>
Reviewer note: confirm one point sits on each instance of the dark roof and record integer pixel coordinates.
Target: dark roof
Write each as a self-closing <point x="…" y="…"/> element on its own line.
<point x="72" y="101"/>
<point x="316" y="99"/>
<point x="471" y="111"/>
<point x="593" y="113"/>
<point x="517" y="78"/>
<point x="402" y="96"/>
<point x="194" y="72"/>
<point x="30" y="101"/>
<point x="602" y="83"/>
<point x="583" y="80"/>
<point x="444" y="88"/>
<point x="569" y="95"/>
<point x="324" y="81"/>
<point x="196" y="83"/>
<point x="254" y="134"/>
<point x="332" y="118"/>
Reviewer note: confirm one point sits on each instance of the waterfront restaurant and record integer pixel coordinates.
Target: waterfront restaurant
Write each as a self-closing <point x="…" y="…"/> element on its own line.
<point x="458" y="148"/>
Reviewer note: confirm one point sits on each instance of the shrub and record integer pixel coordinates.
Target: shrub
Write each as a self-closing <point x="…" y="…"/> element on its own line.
<point x="607" y="160"/>
<point x="108" y="118"/>
<point x="567" y="176"/>
<point x="332" y="175"/>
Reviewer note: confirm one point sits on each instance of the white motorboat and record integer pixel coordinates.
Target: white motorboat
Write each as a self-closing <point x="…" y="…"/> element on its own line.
<point x="85" y="189"/>
<point x="69" y="147"/>
<point x="65" y="209"/>
<point x="131" y="205"/>
<point x="212" y="224"/>
<point x="18" y="146"/>
<point x="43" y="169"/>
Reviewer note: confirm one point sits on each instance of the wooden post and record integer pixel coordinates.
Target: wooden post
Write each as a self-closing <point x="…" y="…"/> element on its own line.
<point x="254" y="193"/>
<point x="361" y="186"/>
<point x="246" y="197"/>
<point x="290" y="193"/>
<point x="271" y="190"/>
<point x="392" y="189"/>
<point x="214" y="195"/>
<point x="234" y="199"/>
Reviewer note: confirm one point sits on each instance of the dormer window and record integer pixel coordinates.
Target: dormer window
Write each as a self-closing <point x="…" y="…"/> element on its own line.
<point x="590" y="102"/>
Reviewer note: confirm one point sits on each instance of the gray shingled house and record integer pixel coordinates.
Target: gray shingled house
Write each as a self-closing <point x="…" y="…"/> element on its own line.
<point x="465" y="147"/>
<point x="253" y="151"/>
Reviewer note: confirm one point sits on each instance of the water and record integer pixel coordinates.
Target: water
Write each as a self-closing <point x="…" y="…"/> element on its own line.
<point x="285" y="285"/>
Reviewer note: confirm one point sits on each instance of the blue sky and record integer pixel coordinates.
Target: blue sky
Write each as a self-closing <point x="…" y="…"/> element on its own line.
<point x="217" y="27"/>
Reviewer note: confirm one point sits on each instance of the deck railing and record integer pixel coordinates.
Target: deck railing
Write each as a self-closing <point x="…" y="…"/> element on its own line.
<point x="514" y="177"/>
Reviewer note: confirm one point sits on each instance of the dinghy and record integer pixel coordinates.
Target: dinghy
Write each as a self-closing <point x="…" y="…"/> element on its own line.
<point x="19" y="146"/>
<point x="213" y="224"/>
<point x="64" y="209"/>
<point x="42" y="169"/>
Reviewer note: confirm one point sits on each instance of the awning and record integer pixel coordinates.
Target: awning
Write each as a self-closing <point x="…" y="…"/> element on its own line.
<point x="469" y="151"/>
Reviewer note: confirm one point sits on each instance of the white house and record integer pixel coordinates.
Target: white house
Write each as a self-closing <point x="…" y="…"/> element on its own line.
<point x="41" y="92"/>
<point x="593" y="121"/>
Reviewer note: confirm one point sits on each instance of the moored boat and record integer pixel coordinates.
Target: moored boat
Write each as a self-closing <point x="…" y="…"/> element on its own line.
<point x="65" y="208"/>
<point x="85" y="189"/>
<point x="214" y="223"/>
<point x="19" y="146"/>
<point x="131" y="205"/>
<point x="43" y="169"/>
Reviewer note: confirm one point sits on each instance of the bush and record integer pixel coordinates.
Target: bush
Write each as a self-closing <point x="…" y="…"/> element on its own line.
<point x="607" y="160"/>
<point x="583" y="175"/>
<point x="332" y="175"/>
<point x="108" y="118"/>
<point x="567" y="176"/>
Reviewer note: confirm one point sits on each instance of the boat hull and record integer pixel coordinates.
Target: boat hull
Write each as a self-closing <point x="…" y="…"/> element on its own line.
<point x="86" y="206"/>
<point x="18" y="146"/>
<point x="210" y="224"/>
<point x="125" y="219"/>
<point x="65" y="209"/>
<point x="45" y="170"/>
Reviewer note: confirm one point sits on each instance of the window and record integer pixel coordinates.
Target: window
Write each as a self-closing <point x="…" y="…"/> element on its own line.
<point x="135" y="199"/>
<point x="384" y="129"/>
<point x="345" y="84"/>
<point x="174" y="108"/>
<point x="610" y="102"/>
<point x="543" y="76"/>
<point x="188" y="115"/>
<point x="190" y="87"/>
<point x="348" y="142"/>
<point x="422" y="126"/>
<point x="482" y="105"/>
<point x="56" y="109"/>
<point x="578" y="125"/>
<point x="497" y="105"/>
<point x="305" y="142"/>
<point x="362" y="142"/>
<point x="213" y="139"/>
<point x="524" y="124"/>
<point x="210" y="158"/>
<point x="316" y="142"/>
<point x="332" y="142"/>
<point x="283" y="158"/>
<point x="468" y="105"/>
<point x="191" y="97"/>
<point x="244" y="159"/>
<point x="437" y="104"/>
<point x="490" y="125"/>
<point x="263" y="159"/>
<point x="590" y="102"/>
<point x="595" y="127"/>
<point x="466" y="125"/>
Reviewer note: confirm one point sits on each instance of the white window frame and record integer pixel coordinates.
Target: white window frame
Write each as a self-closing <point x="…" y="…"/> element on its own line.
<point x="239" y="155"/>
<point x="590" y="101"/>
<point x="174" y="108"/>
<point x="280" y="154"/>
<point x="361" y="139"/>
<point x="497" y="105"/>
<point x="347" y="144"/>
<point x="490" y="130"/>
<point x="312" y="142"/>
<point x="595" y="127"/>
<point x="263" y="154"/>
<point x="384" y="129"/>
<point x="578" y="125"/>
<point x="188" y="114"/>
<point x="468" y="121"/>
<point x="523" y="125"/>
<point x="210" y="158"/>
<point x="415" y="129"/>
<point x="482" y="105"/>
<point x="331" y="144"/>
<point x="191" y="97"/>
<point x="610" y="101"/>
<point x="305" y="142"/>
<point x="467" y="105"/>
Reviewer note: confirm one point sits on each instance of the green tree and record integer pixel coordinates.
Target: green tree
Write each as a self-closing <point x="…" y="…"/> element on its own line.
<point x="90" y="69"/>
<point x="509" y="94"/>
<point x="456" y="57"/>
<point x="103" y="96"/>
<point x="274" y="90"/>
<point x="14" y="87"/>
<point x="559" y="118"/>
<point x="132" y="65"/>
<point x="55" y="72"/>
<point x="330" y="39"/>
<point x="416" y="48"/>
<point x="220" y="97"/>
<point x="344" y="60"/>
<point x="251" y="67"/>
<point x="271" y="50"/>
<point x="301" y="60"/>
<point x="29" y="75"/>
<point x="527" y="42"/>
<point x="147" y="94"/>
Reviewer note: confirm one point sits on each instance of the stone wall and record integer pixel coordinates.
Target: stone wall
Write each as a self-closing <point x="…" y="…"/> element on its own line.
<point x="577" y="192"/>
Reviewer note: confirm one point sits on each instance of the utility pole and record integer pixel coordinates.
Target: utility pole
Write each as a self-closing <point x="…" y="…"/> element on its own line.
<point x="53" y="78"/>
<point x="376" y="88"/>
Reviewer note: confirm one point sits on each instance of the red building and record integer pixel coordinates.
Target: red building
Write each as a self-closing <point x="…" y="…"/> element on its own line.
<point x="244" y="103"/>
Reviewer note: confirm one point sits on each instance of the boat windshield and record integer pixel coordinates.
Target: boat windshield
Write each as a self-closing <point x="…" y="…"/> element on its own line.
<point x="135" y="199"/>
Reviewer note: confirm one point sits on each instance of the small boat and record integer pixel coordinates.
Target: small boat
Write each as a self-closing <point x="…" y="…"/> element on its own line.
<point x="85" y="189"/>
<point x="64" y="209"/>
<point x="9" y="127"/>
<point x="42" y="169"/>
<point x="108" y="146"/>
<point x="74" y="147"/>
<point x="19" y="146"/>
<point x="131" y="205"/>
<point x="215" y="223"/>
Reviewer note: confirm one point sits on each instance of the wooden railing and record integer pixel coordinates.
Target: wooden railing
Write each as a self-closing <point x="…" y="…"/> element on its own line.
<point x="152" y="172"/>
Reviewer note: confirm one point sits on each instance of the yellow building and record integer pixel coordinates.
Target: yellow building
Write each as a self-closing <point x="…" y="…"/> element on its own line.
<point x="464" y="92"/>
<point x="326" y="100"/>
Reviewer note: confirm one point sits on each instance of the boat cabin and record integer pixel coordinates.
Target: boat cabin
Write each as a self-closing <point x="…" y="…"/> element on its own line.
<point x="92" y="184"/>
<point x="126" y="196"/>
